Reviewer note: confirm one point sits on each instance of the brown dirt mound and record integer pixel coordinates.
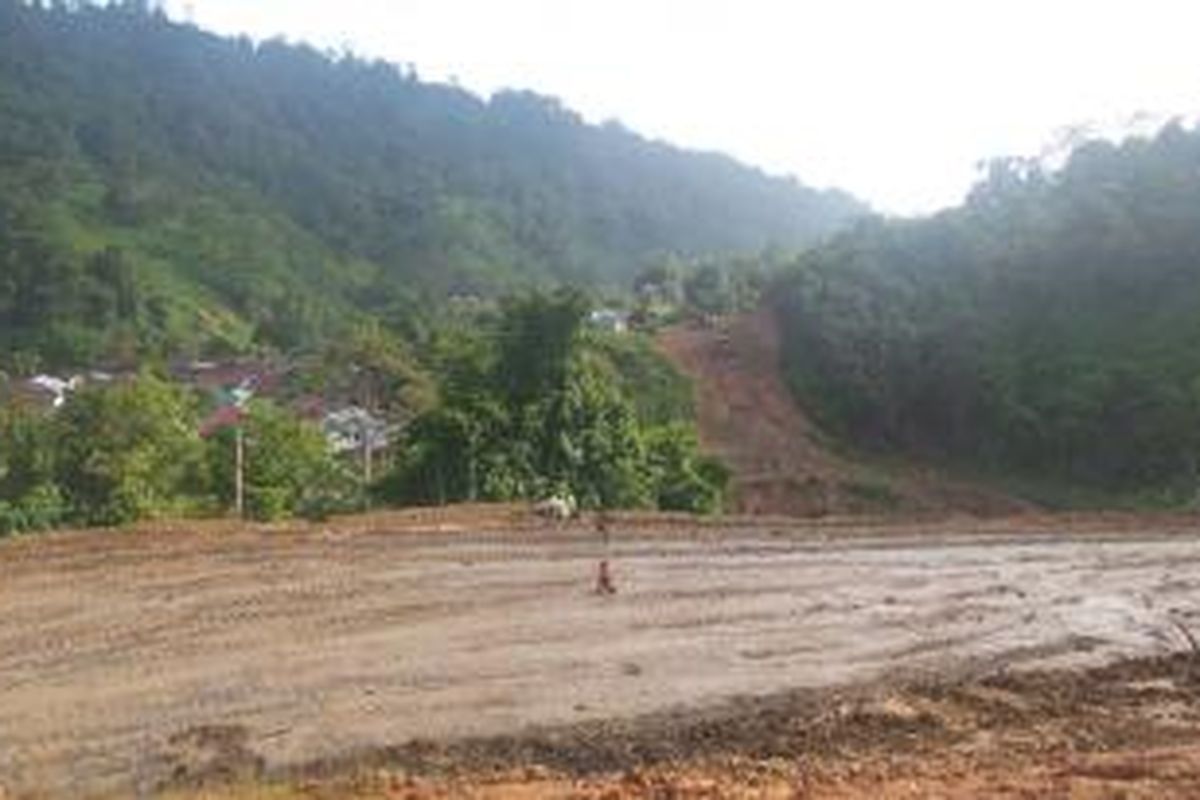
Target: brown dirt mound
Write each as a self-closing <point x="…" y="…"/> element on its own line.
<point x="1126" y="730"/>
<point x="748" y="417"/>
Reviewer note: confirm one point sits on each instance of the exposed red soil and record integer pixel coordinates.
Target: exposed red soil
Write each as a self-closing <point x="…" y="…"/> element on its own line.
<point x="749" y="418"/>
<point x="1124" y="731"/>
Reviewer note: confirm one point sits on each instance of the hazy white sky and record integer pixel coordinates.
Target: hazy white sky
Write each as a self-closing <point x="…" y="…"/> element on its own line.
<point x="894" y="100"/>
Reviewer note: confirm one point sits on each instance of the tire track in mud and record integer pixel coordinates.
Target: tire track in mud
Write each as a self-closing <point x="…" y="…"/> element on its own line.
<point x="313" y="645"/>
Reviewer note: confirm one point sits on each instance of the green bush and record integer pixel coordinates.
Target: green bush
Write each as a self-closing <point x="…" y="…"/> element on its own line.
<point x="128" y="451"/>
<point x="268" y="503"/>
<point x="683" y="479"/>
<point x="335" y="489"/>
<point x="41" y="509"/>
<point x="288" y="469"/>
<point x="544" y="414"/>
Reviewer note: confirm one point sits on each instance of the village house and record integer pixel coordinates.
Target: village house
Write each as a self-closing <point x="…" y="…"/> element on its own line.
<point x="47" y="391"/>
<point x="351" y="428"/>
<point x="609" y="319"/>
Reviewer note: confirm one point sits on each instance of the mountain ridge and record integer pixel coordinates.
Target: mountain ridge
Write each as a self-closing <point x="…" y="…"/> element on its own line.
<point x="264" y="194"/>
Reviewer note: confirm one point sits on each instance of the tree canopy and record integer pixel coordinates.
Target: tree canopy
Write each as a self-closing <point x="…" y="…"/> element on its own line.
<point x="163" y="189"/>
<point x="1049" y="326"/>
<point x="535" y="409"/>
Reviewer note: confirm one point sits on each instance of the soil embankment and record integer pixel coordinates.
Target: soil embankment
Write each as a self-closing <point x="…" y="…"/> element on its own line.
<point x="1125" y="731"/>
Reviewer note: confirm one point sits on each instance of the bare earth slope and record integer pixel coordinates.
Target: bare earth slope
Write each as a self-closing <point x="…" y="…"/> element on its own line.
<point x="124" y="655"/>
<point x="748" y="417"/>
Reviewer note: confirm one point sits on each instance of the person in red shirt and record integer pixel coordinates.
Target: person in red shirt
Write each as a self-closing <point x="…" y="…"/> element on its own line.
<point x="604" y="579"/>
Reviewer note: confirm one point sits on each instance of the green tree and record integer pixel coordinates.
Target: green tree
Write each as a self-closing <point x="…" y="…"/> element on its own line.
<point x="288" y="469"/>
<point x="460" y="452"/>
<point x="546" y="415"/>
<point x="539" y="334"/>
<point x="683" y="479"/>
<point x="29" y="498"/>
<point x="129" y="451"/>
<point x="585" y="439"/>
<point x="1047" y="328"/>
<point x="270" y="195"/>
<point x="707" y="290"/>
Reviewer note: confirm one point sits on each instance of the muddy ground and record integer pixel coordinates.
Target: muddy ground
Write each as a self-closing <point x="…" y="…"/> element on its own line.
<point x="137" y="661"/>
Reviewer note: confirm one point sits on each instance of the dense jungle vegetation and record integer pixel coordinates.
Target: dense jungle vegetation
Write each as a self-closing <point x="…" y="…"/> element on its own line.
<point x="1049" y="327"/>
<point x="167" y="194"/>
<point x="531" y="403"/>
<point x="165" y="190"/>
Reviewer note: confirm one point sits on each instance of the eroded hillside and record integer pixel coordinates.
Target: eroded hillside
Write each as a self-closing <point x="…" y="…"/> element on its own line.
<point x="781" y="462"/>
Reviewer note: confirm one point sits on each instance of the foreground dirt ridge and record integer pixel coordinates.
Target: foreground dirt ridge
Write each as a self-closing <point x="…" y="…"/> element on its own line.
<point x="748" y="417"/>
<point x="130" y="661"/>
<point x="1129" y="730"/>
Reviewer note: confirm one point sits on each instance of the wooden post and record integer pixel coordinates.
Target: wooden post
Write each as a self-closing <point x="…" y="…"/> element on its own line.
<point x="365" y="429"/>
<point x="239" y="484"/>
<point x="368" y="443"/>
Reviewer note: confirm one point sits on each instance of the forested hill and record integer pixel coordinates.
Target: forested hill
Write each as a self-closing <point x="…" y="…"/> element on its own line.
<point x="163" y="187"/>
<point x="1049" y="327"/>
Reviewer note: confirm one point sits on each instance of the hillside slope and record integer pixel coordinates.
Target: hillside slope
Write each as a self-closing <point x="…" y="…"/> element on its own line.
<point x="1048" y="330"/>
<point x="781" y="464"/>
<point x="263" y="193"/>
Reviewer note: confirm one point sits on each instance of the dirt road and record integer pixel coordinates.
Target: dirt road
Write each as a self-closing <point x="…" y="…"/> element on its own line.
<point x="123" y="655"/>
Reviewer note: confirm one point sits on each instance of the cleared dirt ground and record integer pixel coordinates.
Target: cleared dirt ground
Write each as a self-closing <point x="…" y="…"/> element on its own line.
<point x="138" y="660"/>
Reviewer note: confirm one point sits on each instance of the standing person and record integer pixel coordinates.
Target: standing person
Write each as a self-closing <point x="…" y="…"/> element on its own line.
<point x="604" y="579"/>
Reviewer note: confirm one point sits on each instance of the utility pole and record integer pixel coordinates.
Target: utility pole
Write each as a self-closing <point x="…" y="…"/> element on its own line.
<point x="239" y="484"/>
<point x="231" y="415"/>
<point x="366" y="453"/>
<point x="368" y="435"/>
<point x="367" y="427"/>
